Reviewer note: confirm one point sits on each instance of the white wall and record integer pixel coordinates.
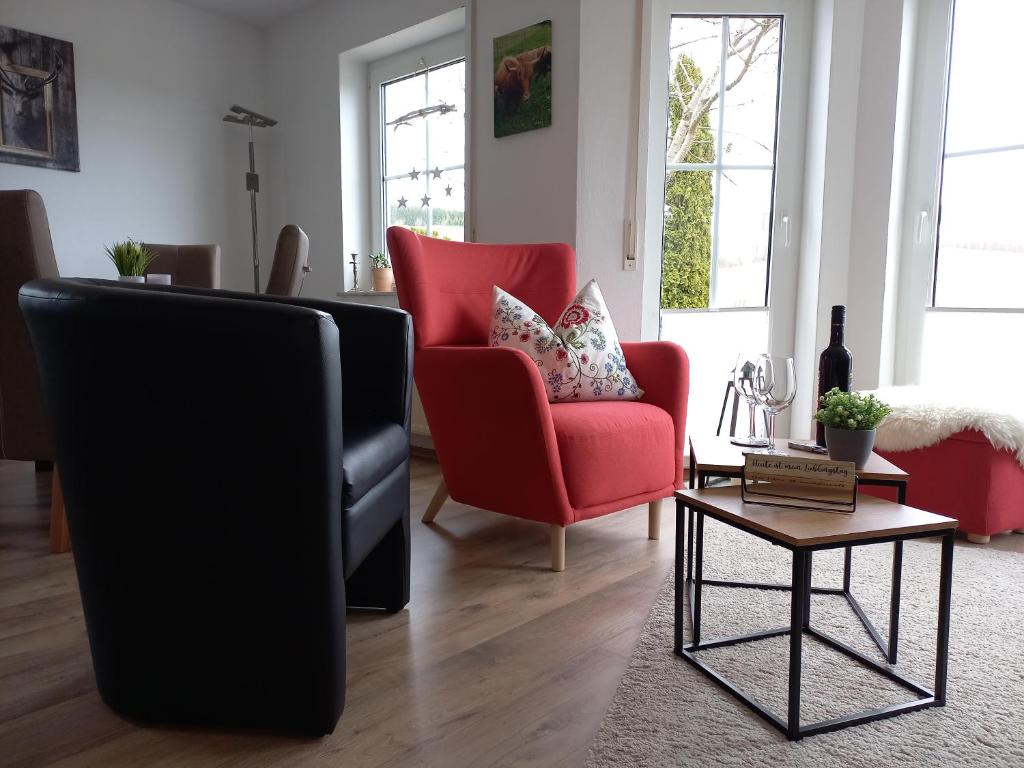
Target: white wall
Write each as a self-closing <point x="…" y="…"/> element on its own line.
<point x="522" y="188"/>
<point x="303" y="92"/>
<point x="609" y="87"/>
<point x="153" y="80"/>
<point x="853" y="187"/>
<point x="871" y="272"/>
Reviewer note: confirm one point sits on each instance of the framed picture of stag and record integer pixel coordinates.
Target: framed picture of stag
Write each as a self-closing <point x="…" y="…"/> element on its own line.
<point x="522" y="80"/>
<point x="38" y="114"/>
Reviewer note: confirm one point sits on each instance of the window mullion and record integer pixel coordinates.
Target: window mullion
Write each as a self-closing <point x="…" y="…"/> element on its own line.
<point x="719" y="132"/>
<point x="426" y="152"/>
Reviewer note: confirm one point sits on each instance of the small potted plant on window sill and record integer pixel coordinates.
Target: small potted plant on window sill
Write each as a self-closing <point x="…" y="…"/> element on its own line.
<point x="383" y="277"/>
<point x="131" y="259"/>
<point x="850" y="420"/>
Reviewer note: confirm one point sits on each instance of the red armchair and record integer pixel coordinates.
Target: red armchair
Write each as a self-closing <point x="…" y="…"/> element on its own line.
<point x="501" y="445"/>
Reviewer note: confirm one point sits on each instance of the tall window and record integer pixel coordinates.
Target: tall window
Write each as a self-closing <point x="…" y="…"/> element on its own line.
<point x="727" y="270"/>
<point x="720" y="160"/>
<point x="979" y="254"/>
<point x="422" y="145"/>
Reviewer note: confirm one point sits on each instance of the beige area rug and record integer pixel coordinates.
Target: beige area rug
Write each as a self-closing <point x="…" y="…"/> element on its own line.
<point x="666" y="713"/>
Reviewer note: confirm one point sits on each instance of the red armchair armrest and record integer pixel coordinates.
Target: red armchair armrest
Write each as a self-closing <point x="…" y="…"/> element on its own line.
<point x="662" y="370"/>
<point x="489" y="415"/>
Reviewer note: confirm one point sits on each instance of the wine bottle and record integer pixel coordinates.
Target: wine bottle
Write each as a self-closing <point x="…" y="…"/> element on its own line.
<point x="835" y="366"/>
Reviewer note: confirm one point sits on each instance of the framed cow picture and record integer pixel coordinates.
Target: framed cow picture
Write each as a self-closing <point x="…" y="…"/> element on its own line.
<point x="522" y="80"/>
<point x="38" y="114"/>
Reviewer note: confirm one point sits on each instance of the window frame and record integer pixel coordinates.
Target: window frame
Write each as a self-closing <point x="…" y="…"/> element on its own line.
<point x="408" y="63"/>
<point x="649" y="201"/>
<point x="919" y="244"/>
<point x="943" y="157"/>
<point x="719" y="167"/>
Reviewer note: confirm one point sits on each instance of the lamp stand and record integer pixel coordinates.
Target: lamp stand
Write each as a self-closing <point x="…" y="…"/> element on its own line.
<point x="252" y="119"/>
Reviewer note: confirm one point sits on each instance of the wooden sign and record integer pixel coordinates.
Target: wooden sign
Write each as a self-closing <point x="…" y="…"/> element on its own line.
<point x="802" y="483"/>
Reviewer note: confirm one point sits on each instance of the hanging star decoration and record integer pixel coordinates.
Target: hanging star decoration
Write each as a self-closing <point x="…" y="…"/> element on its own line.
<point x="425" y="201"/>
<point x="436" y="172"/>
<point x="448" y="191"/>
<point x="401" y="202"/>
<point x="414" y="174"/>
<point x="408" y="117"/>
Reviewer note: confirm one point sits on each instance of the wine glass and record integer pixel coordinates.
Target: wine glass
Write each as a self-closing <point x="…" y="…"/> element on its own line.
<point x="743" y="381"/>
<point x="774" y="388"/>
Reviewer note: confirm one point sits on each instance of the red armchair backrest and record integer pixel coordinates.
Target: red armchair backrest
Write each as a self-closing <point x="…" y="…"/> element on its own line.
<point x="446" y="285"/>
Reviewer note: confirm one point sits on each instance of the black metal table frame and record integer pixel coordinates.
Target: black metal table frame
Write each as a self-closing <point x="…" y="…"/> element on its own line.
<point x="889" y="647"/>
<point x="688" y="600"/>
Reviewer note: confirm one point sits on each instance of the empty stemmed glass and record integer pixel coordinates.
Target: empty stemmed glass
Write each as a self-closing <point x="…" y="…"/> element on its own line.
<point x="774" y="388"/>
<point x="743" y="381"/>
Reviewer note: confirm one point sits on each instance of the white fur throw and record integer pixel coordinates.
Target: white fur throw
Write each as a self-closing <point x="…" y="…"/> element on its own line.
<point x="921" y="417"/>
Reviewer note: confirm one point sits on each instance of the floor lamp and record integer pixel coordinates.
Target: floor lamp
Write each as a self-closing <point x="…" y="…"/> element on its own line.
<point x="245" y="116"/>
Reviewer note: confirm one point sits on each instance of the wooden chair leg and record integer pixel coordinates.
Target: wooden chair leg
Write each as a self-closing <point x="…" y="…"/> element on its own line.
<point x="60" y="540"/>
<point x="557" y="548"/>
<point x="977" y="538"/>
<point x="654" y="520"/>
<point x="440" y="497"/>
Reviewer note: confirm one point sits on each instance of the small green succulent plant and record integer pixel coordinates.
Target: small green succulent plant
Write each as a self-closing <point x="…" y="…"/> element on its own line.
<point x="380" y="260"/>
<point x="850" y="410"/>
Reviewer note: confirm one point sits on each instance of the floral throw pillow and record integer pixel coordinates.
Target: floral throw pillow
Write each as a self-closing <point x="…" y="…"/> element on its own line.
<point x="580" y="358"/>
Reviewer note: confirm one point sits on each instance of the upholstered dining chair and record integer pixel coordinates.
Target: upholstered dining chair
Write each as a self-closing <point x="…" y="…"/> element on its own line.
<point x="290" y="265"/>
<point x="194" y="266"/>
<point x="502" y="446"/>
<point x="26" y="253"/>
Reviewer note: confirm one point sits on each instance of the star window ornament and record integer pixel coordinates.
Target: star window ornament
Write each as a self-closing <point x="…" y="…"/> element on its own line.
<point x="436" y="172"/>
<point x="425" y="201"/>
<point x="448" y="191"/>
<point x="401" y="202"/>
<point x="414" y="174"/>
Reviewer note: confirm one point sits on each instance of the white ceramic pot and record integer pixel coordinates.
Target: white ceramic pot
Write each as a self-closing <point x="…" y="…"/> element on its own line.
<point x="132" y="278"/>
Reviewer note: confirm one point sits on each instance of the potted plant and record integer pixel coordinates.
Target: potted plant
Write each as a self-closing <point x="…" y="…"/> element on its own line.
<point x="850" y="420"/>
<point x="383" y="277"/>
<point x="131" y="259"/>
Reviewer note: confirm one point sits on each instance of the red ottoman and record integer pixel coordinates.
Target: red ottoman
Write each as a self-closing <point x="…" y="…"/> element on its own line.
<point x="965" y="477"/>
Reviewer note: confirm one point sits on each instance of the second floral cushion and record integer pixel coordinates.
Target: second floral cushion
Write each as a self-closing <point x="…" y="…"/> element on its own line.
<point x="580" y="358"/>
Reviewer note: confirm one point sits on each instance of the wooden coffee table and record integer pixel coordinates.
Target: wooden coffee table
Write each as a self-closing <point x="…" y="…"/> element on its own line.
<point x="804" y="532"/>
<point x="713" y="456"/>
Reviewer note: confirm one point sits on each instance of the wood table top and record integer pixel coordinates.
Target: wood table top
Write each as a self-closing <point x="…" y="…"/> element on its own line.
<point x="714" y="454"/>
<point x="873" y="519"/>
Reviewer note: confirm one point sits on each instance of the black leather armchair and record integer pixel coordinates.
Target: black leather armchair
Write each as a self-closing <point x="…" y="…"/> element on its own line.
<point x="236" y="472"/>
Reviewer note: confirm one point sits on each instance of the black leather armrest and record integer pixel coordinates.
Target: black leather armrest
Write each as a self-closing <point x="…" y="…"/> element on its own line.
<point x="376" y="357"/>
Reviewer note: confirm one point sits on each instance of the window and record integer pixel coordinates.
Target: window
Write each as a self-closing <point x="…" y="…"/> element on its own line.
<point x="979" y="252"/>
<point x="419" y="123"/>
<point x="721" y="150"/>
<point x="961" y="269"/>
<point x="720" y="160"/>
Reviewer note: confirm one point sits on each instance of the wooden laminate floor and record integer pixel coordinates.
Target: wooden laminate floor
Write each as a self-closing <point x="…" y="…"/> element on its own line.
<point x="497" y="661"/>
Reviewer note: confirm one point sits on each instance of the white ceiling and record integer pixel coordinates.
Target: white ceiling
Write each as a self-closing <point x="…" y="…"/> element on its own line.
<point x="259" y="12"/>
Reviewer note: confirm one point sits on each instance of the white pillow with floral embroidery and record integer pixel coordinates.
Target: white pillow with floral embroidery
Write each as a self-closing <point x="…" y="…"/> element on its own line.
<point x="580" y="359"/>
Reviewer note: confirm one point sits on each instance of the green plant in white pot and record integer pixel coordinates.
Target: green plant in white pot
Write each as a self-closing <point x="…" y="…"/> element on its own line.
<point x="850" y="419"/>
<point x="131" y="259"/>
<point x="383" y="277"/>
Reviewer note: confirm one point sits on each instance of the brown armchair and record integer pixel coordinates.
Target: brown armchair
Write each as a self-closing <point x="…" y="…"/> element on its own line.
<point x="290" y="262"/>
<point x="193" y="266"/>
<point x="26" y="253"/>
